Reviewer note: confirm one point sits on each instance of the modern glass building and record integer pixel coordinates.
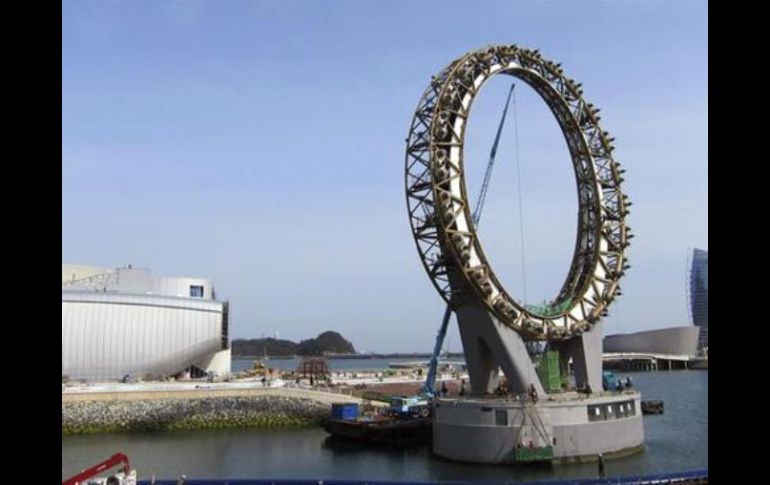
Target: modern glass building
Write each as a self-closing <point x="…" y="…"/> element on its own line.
<point x="699" y="294"/>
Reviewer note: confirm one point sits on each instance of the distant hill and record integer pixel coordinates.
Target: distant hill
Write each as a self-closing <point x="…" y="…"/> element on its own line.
<point x="327" y="343"/>
<point x="264" y="346"/>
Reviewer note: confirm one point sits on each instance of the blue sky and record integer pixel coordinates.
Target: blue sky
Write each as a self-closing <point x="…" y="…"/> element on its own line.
<point x="261" y="144"/>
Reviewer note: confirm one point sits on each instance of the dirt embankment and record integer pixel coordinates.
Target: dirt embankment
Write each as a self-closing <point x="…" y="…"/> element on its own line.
<point x="406" y="389"/>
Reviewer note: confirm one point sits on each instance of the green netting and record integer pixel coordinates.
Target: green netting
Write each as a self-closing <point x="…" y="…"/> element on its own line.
<point x="528" y="455"/>
<point x="549" y="372"/>
<point x="548" y="309"/>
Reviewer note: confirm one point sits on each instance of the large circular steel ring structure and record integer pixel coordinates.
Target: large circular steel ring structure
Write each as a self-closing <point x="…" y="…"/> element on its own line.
<point x="440" y="213"/>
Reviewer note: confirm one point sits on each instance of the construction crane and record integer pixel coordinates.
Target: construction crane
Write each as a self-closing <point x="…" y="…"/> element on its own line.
<point x="488" y="175"/>
<point x="127" y="476"/>
<point x="428" y="388"/>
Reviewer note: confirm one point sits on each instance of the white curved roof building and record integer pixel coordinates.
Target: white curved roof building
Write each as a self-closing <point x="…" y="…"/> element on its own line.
<point x="672" y="340"/>
<point x="125" y="321"/>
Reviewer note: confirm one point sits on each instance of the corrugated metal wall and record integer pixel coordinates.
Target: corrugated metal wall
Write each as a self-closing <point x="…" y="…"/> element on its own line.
<point x="105" y="336"/>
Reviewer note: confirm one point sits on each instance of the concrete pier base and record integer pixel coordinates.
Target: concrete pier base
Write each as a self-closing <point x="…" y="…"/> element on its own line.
<point x="575" y="427"/>
<point x="578" y="427"/>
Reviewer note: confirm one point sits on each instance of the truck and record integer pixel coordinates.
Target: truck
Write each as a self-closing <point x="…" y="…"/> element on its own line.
<point x="409" y="406"/>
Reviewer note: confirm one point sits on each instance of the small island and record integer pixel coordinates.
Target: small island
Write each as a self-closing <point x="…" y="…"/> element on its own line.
<point x="328" y="343"/>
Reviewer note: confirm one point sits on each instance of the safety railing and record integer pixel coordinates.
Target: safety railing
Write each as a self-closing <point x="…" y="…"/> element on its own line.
<point x="679" y="478"/>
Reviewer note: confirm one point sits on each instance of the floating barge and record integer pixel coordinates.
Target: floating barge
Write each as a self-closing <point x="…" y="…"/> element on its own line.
<point x="385" y="431"/>
<point x="346" y="424"/>
<point x="652" y="407"/>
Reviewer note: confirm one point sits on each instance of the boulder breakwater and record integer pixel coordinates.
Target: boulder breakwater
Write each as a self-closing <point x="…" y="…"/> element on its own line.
<point x="109" y="416"/>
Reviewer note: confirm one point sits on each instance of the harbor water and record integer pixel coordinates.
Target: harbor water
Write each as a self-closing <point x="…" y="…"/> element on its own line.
<point x="675" y="441"/>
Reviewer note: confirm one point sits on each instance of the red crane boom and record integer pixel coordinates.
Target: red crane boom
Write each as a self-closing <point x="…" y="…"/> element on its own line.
<point x="110" y="462"/>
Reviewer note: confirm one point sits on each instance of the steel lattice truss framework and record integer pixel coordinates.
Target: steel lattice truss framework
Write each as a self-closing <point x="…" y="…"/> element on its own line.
<point x="440" y="214"/>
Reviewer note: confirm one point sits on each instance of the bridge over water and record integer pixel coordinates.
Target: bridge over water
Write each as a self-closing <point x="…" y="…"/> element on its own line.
<point x="648" y="361"/>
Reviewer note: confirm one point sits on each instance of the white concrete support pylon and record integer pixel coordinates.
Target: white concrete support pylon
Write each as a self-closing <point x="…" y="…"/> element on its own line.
<point x="586" y="353"/>
<point x="488" y="344"/>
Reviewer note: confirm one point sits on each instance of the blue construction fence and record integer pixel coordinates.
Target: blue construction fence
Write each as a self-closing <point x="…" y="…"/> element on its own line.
<point x="694" y="476"/>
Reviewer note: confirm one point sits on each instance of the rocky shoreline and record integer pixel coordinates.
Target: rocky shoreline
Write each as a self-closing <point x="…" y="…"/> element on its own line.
<point x="85" y="417"/>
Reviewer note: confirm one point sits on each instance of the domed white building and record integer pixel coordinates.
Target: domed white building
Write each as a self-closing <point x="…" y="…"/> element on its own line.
<point x="125" y="321"/>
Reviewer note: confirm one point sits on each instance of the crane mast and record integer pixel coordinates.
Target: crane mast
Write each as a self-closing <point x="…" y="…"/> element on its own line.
<point x="428" y="387"/>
